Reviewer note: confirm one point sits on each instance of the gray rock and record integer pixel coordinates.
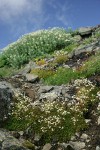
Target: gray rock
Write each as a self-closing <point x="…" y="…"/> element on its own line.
<point x="69" y="147"/>
<point x="31" y="65"/>
<point x="85" y="49"/>
<point x="73" y="138"/>
<point x="49" y="96"/>
<point x="87" y="121"/>
<point x="37" y="137"/>
<point x="21" y="133"/>
<point x="64" y="90"/>
<point x="9" y="142"/>
<point x="6" y="97"/>
<point x="45" y="89"/>
<point x="84" y="136"/>
<point x="2" y="136"/>
<point x="85" y="30"/>
<point x="29" y="133"/>
<point x="77" y="145"/>
<point x="66" y="66"/>
<point x="67" y="96"/>
<point x="71" y="54"/>
<point x="77" y="38"/>
<point x="66" y="146"/>
<point x="77" y="134"/>
<point x="97" y="147"/>
<point x="27" y="69"/>
<point x="15" y="134"/>
<point x="38" y="140"/>
<point x="98" y="120"/>
<point x="47" y="146"/>
<point x="31" y="78"/>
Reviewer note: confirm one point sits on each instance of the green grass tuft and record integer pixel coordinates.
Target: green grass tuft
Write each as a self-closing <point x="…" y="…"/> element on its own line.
<point x="92" y="66"/>
<point x="62" y="76"/>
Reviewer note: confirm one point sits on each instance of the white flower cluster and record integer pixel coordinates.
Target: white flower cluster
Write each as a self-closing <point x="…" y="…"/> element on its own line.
<point x="35" y="44"/>
<point x="55" y="113"/>
<point x="98" y="108"/>
<point x="98" y="94"/>
<point x="83" y="95"/>
<point x="52" y="116"/>
<point x="22" y="106"/>
<point x="61" y="52"/>
<point x="83" y="82"/>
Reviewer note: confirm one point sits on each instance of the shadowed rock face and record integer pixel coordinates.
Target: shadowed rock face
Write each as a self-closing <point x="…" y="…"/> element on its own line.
<point x="8" y="142"/>
<point x="6" y="95"/>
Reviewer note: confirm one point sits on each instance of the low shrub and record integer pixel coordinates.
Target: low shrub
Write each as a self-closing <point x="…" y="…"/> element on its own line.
<point x="86" y="94"/>
<point x="92" y="66"/>
<point x="41" y="62"/>
<point x="43" y="73"/>
<point x="60" y="58"/>
<point x="5" y="71"/>
<point x="57" y="118"/>
<point x="97" y="35"/>
<point x="54" y="119"/>
<point x="34" y="45"/>
<point x="62" y="76"/>
<point x="98" y="108"/>
<point x="88" y="40"/>
<point x="70" y="47"/>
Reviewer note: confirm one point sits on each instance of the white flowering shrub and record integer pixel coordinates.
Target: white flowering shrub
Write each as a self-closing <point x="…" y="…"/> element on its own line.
<point x="92" y="66"/>
<point x="98" y="108"/>
<point x="50" y="118"/>
<point x="98" y="94"/>
<point x="58" y="120"/>
<point x="85" y="94"/>
<point x="55" y="118"/>
<point x="36" y="44"/>
<point x="60" y="57"/>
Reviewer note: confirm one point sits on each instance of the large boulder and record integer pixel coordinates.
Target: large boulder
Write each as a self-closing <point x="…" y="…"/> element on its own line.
<point x="31" y="65"/>
<point x="45" y="89"/>
<point x="6" y="96"/>
<point x="48" y="96"/>
<point x="93" y="47"/>
<point x="8" y="142"/>
<point x="47" y="146"/>
<point x="86" y="49"/>
<point x="32" y="78"/>
<point x="77" y="145"/>
<point x="85" y="30"/>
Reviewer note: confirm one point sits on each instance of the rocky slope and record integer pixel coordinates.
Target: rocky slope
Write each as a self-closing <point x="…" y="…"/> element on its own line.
<point x="53" y="103"/>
